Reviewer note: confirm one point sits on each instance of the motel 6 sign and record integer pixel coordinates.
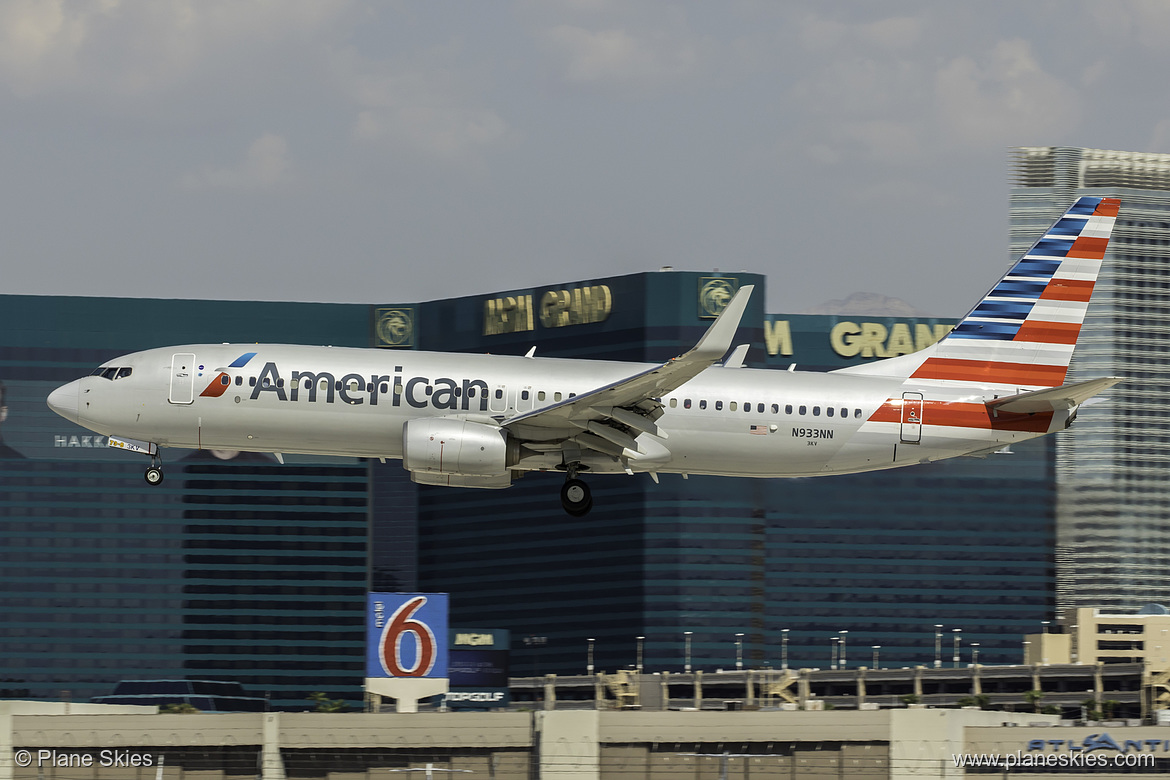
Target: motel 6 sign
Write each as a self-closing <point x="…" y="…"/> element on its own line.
<point x="406" y="635"/>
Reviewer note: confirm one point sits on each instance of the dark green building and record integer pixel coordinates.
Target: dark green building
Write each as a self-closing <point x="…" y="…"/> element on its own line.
<point x="238" y="568"/>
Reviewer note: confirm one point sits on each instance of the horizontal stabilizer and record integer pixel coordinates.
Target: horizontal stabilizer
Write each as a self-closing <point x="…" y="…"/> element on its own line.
<point x="1052" y="398"/>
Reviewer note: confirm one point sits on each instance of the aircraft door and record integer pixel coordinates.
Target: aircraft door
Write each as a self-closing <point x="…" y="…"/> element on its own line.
<point x="183" y="378"/>
<point x="525" y="399"/>
<point x="912" y="418"/>
<point x="498" y="400"/>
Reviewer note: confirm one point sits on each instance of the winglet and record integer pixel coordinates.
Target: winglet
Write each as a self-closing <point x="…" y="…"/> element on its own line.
<point x="717" y="340"/>
<point x="737" y="356"/>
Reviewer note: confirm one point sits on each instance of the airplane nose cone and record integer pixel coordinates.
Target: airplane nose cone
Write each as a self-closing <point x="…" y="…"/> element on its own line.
<point x="64" y="401"/>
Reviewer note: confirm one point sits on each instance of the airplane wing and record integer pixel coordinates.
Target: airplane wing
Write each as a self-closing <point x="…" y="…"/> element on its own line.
<point x="1052" y="398"/>
<point x="608" y="418"/>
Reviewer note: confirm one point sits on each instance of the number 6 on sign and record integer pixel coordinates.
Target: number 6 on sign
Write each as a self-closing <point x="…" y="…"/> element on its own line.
<point x="406" y="635"/>
<point x="401" y="628"/>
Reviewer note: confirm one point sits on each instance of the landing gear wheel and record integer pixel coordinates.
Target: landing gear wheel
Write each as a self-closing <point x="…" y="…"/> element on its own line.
<point x="154" y="475"/>
<point x="576" y="498"/>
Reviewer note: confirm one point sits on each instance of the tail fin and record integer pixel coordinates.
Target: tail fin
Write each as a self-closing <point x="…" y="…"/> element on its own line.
<point x="1022" y="334"/>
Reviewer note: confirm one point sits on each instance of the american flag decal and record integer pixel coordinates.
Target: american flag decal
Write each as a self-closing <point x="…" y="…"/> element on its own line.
<point x="761" y="430"/>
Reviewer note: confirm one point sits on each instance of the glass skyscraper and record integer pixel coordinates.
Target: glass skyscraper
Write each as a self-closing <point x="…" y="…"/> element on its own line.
<point x="1113" y="495"/>
<point x="235" y="568"/>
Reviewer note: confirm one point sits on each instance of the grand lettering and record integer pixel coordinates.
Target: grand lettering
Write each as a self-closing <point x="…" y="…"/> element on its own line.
<point x="354" y="389"/>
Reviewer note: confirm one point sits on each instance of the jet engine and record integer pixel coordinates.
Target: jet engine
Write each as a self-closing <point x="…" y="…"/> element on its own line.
<point x="435" y="446"/>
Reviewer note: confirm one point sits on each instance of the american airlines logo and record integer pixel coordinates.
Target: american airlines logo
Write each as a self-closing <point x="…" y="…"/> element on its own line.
<point x="418" y="392"/>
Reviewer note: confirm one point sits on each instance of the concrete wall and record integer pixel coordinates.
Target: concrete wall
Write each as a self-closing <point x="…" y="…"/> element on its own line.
<point x="561" y="744"/>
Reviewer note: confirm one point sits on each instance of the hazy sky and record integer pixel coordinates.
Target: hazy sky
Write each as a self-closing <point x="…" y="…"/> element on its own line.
<point x="377" y="152"/>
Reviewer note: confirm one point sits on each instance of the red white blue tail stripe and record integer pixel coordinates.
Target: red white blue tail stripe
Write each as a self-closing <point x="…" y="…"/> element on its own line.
<point x="1021" y="335"/>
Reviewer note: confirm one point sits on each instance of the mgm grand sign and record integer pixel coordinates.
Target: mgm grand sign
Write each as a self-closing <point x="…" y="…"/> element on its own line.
<point x="554" y="309"/>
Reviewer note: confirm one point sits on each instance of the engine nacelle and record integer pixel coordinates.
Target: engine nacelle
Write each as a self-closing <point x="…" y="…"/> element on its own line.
<point x="444" y="445"/>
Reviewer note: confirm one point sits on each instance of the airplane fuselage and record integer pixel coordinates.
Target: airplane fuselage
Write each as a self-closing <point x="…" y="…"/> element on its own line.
<point x="355" y="402"/>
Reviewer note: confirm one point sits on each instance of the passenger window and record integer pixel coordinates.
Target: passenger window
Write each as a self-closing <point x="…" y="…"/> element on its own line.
<point x="383" y="387"/>
<point x="816" y="411"/>
<point x="703" y="404"/>
<point x="324" y="384"/>
<point x="225" y="380"/>
<point x="673" y="403"/>
<point x="540" y="396"/>
<point x="557" y="396"/>
<point x="280" y="382"/>
<point x="733" y="406"/>
<point x="353" y="385"/>
<point x="572" y="395"/>
<point x="802" y="410"/>
<point x="844" y="412"/>
<point x="499" y="394"/>
<point x="829" y="411"/>
<point x="687" y="403"/>
<point x="787" y="408"/>
<point x="251" y="381"/>
<point x="857" y="413"/>
<point x="760" y="408"/>
<point x="240" y="381"/>
<point x="775" y="408"/>
<point x="718" y="406"/>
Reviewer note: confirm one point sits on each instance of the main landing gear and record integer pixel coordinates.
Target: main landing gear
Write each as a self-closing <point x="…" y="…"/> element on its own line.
<point x="576" y="497"/>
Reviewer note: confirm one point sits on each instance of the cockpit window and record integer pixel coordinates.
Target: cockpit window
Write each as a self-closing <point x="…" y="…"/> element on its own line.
<point x="113" y="372"/>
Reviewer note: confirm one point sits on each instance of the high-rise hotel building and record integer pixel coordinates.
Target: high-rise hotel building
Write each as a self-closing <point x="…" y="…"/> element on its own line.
<point x="1112" y="485"/>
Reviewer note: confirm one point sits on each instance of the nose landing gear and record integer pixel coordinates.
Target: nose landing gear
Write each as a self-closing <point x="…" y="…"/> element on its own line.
<point x="154" y="472"/>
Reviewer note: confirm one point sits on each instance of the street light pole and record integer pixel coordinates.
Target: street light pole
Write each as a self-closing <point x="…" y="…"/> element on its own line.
<point x="640" y="639"/>
<point x="833" y="642"/>
<point x="589" y="656"/>
<point x="784" y="648"/>
<point x="937" y="645"/>
<point x="842" y="633"/>
<point x="738" y="652"/>
<point x="687" y="651"/>
<point x="974" y="653"/>
<point x="875" y="656"/>
<point x="955" y="658"/>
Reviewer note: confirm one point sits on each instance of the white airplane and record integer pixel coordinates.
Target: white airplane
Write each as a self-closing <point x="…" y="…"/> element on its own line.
<point x="481" y="421"/>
